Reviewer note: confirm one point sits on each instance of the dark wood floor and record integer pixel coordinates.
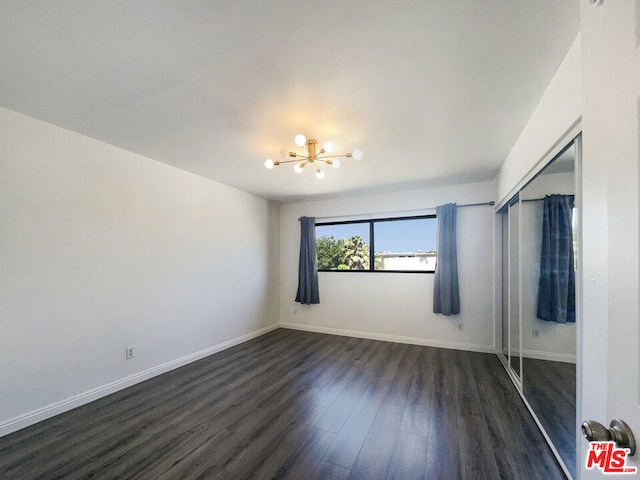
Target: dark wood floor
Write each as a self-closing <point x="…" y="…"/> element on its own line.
<point x="302" y="406"/>
<point x="550" y="389"/>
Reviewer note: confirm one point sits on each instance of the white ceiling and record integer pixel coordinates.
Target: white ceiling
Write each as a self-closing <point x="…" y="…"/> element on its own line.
<point x="434" y="92"/>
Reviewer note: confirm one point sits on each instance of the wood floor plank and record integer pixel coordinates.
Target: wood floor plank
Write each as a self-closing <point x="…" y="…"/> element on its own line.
<point x="409" y="457"/>
<point x="443" y="449"/>
<point x="373" y="460"/>
<point x="400" y="386"/>
<point x="329" y="471"/>
<point x="193" y="459"/>
<point x="308" y="458"/>
<point x="475" y="441"/>
<point x="262" y="455"/>
<point x="357" y="361"/>
<point x="352" y="385"/>
<point x="255" y="411"/>
<point x="347" y="445"/>
<point x="416" y="419"/>
<point x="340" y="410"/>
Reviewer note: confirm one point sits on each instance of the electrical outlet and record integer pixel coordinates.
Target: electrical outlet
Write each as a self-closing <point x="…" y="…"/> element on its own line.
<point x="534" y="332"/>
<point x="128" y="353"/>
<point x="460" y="326"/>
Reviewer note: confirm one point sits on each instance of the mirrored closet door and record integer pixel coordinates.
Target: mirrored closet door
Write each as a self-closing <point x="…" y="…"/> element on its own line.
<point x="539" y="247"/>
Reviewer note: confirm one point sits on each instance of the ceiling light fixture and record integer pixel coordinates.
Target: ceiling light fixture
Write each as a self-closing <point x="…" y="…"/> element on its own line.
<point x="311" y="156"/>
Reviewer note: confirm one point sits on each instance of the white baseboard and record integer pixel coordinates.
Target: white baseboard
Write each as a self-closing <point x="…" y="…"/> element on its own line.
<point x="470" y="347"/>
<point x="553" y="357"/>
<point x="35" y="416"/>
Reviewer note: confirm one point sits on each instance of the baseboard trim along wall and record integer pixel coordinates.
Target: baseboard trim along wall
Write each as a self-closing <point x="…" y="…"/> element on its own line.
<point x="542" y="355"/>
<point x="553" y="357"/>
<point x="471" y="347"/>
<point x="35" y="416"/>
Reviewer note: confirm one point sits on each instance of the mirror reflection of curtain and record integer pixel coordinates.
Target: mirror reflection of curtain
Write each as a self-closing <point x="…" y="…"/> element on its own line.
<point x="556" y="288"/>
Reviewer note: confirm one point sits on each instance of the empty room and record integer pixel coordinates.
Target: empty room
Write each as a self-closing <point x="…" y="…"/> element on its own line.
<point x="385" y="239"/>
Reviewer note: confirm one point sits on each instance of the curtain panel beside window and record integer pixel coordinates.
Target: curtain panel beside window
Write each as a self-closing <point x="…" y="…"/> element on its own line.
<point x="446" y="293"/>
<point x="308" y="264"/>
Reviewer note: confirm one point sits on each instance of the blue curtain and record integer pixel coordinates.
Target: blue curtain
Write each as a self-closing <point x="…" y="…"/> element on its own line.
<point x="557" y="287"/>
<point x="308" y="264"/>
<point x="446" y="294"/>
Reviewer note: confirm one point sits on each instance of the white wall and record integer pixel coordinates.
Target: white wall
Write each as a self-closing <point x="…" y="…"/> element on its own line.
<point x="555" y="341"/>
<point x="397" y="306"/>
<point x="101" y="249"/>
<point x="558" y="110"/>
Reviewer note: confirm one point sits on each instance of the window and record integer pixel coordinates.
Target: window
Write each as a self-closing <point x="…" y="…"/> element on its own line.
<point x="406" y="244"/>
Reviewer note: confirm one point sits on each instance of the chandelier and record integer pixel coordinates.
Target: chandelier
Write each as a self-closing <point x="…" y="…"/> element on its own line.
<point x="311" y="156"/>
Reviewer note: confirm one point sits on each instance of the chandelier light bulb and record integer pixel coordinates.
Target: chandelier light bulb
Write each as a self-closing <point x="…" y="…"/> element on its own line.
<point x="357" y="154"/>
<point x="284" y="152"/>
<point x="319" y="174"/>
<point x="336" y="163"/>
<point x="298" y="168"/>
<point x="269" y="163"/>
<point x="300" y="140"/>
<point x="328" y="147"/>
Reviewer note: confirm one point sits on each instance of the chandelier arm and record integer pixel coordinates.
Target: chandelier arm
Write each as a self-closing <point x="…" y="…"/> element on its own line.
<point x="296" y="160"/>
<point x="291" y="154"/>
<point x="345" y="155"/>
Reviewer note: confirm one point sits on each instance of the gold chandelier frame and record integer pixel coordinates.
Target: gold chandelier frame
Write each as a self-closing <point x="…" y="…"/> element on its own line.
<point x="311" y="156"/>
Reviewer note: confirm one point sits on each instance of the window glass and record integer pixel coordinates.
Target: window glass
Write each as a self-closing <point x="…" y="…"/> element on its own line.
<point x="343" y="246"/>
<point x="405" y="245"/>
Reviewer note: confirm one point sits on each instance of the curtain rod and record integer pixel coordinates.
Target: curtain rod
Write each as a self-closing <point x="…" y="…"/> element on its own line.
<point x="539" y="199"/>
<point x="401" y="211"/>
